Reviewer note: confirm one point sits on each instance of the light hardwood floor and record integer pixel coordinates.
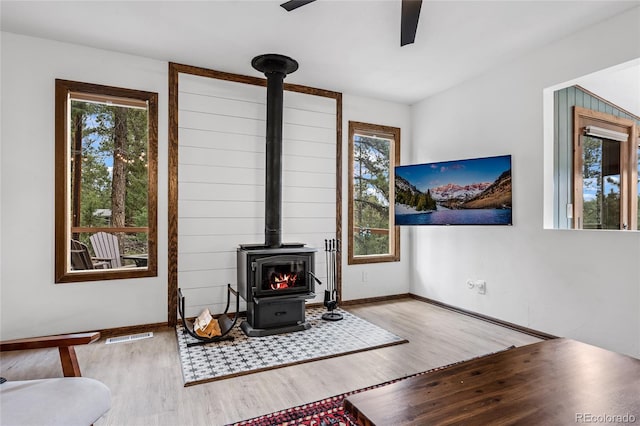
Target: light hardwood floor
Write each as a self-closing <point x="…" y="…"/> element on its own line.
<point x="145" y="377"/>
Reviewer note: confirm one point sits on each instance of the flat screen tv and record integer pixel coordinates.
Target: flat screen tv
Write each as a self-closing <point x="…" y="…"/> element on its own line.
<point x="475" y="191"/>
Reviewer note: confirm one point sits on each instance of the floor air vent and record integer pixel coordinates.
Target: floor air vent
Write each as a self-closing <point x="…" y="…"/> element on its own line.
<point x="130" y="338"/>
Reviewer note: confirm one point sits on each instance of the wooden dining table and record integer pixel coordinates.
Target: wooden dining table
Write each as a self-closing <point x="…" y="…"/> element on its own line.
<point x="554" y="382"/>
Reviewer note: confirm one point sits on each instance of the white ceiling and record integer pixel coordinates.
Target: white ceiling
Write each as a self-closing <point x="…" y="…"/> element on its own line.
<point x="619" y="84"/>
<point x="346" y="46"/>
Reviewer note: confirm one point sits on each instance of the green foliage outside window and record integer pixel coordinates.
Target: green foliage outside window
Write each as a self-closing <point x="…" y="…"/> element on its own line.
<point x="601" y="184"/>
<point x="112" y="154"/>
<point x="371" y="195"/>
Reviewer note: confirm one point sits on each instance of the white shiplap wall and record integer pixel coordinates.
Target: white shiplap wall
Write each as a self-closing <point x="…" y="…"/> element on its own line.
<point x="221" y="167"/>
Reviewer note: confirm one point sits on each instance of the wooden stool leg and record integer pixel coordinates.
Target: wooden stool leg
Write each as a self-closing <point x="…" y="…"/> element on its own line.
<point x="70" y="367"/>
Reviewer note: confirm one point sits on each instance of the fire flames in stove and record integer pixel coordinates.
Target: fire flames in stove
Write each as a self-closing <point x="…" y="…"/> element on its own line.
<point x="282" y="281"/>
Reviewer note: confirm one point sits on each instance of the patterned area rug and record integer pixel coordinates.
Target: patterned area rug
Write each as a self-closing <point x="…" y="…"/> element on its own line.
<point x="329" y="411"/>
<point x="245" y="355"/>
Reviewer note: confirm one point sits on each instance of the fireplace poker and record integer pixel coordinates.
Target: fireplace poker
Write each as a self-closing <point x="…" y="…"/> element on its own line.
<point x="327" y="291"/>
<point x="335" y="272"/>
<point x="332" y="255"/>
<point x="331" y="266"/>
<point x="330" y="296"/>
<point x="317" y="280"/>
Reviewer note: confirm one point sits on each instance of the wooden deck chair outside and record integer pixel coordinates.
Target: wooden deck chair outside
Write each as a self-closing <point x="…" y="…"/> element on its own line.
<point x="81" y="258"/>
<point x="106" y="246"/>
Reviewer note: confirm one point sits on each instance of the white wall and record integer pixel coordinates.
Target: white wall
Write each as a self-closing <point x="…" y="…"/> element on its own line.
<point x="578" y="284"/>
<point x="31" y="303"/>
<point x="386" y="278"/>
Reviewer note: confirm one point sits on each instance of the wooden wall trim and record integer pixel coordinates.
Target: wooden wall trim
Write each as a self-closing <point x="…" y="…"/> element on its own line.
<point x="391" y="297"/>
<point x="516" y="327"/>
<point x="339" y="195"/>
<point x="256" y="81"/>
<point x="174" y="70"/>
<point x="172" y="246"/>
<point x="120" y="331"/>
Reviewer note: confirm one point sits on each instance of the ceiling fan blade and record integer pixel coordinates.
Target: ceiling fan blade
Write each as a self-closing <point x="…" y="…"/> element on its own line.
<point x="294" y="4"/>
<point x="409" y="21"/>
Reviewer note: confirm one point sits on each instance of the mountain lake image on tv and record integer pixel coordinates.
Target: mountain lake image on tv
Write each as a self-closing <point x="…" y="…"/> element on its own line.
<point x="465" y="192"/>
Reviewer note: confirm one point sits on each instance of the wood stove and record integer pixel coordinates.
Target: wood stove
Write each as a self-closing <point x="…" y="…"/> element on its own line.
<point x="275" y="279"/>
<point x="275" y="282"/>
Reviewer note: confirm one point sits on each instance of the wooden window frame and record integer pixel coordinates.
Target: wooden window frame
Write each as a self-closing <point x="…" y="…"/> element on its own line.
<point x="356" y="127"/>
<point x="583" y="117"/>
<point x="130" y="97"/>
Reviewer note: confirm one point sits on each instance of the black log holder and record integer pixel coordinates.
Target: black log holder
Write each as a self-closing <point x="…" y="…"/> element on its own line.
<point x="331" y="249"/>
<point x="226" y="323"/>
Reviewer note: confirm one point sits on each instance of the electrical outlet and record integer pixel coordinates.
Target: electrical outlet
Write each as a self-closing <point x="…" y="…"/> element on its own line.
<point x="482" y="286"/>
<point x="365" y="276"/>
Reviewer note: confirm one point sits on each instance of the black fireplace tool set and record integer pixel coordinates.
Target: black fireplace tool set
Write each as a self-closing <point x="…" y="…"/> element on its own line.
<point x="331" y="249"/>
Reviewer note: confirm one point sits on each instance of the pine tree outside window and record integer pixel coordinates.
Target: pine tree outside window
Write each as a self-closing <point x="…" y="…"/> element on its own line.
<point x="374" y="151"/>
<point x="106" y="182"/>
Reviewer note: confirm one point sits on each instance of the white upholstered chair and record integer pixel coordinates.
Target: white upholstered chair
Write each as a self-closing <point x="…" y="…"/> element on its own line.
<point x="69" y="401"/>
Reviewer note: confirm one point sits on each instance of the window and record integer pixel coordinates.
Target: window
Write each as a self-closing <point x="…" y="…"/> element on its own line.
<point x="374" y="151"/>
<point x="106" y="182"/>
<point x="591" y="156"/>
<point x="637" y="169"/>
<point x="605" y="171"/>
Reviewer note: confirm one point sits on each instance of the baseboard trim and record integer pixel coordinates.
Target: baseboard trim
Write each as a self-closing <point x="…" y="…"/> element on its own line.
<point x="516" y="327"/>
<point x="374" y="299"/>
<point x="134" y="329"/>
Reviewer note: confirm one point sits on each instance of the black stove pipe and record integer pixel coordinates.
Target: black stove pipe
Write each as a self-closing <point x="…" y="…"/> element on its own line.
<point x="275" y="68"/>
